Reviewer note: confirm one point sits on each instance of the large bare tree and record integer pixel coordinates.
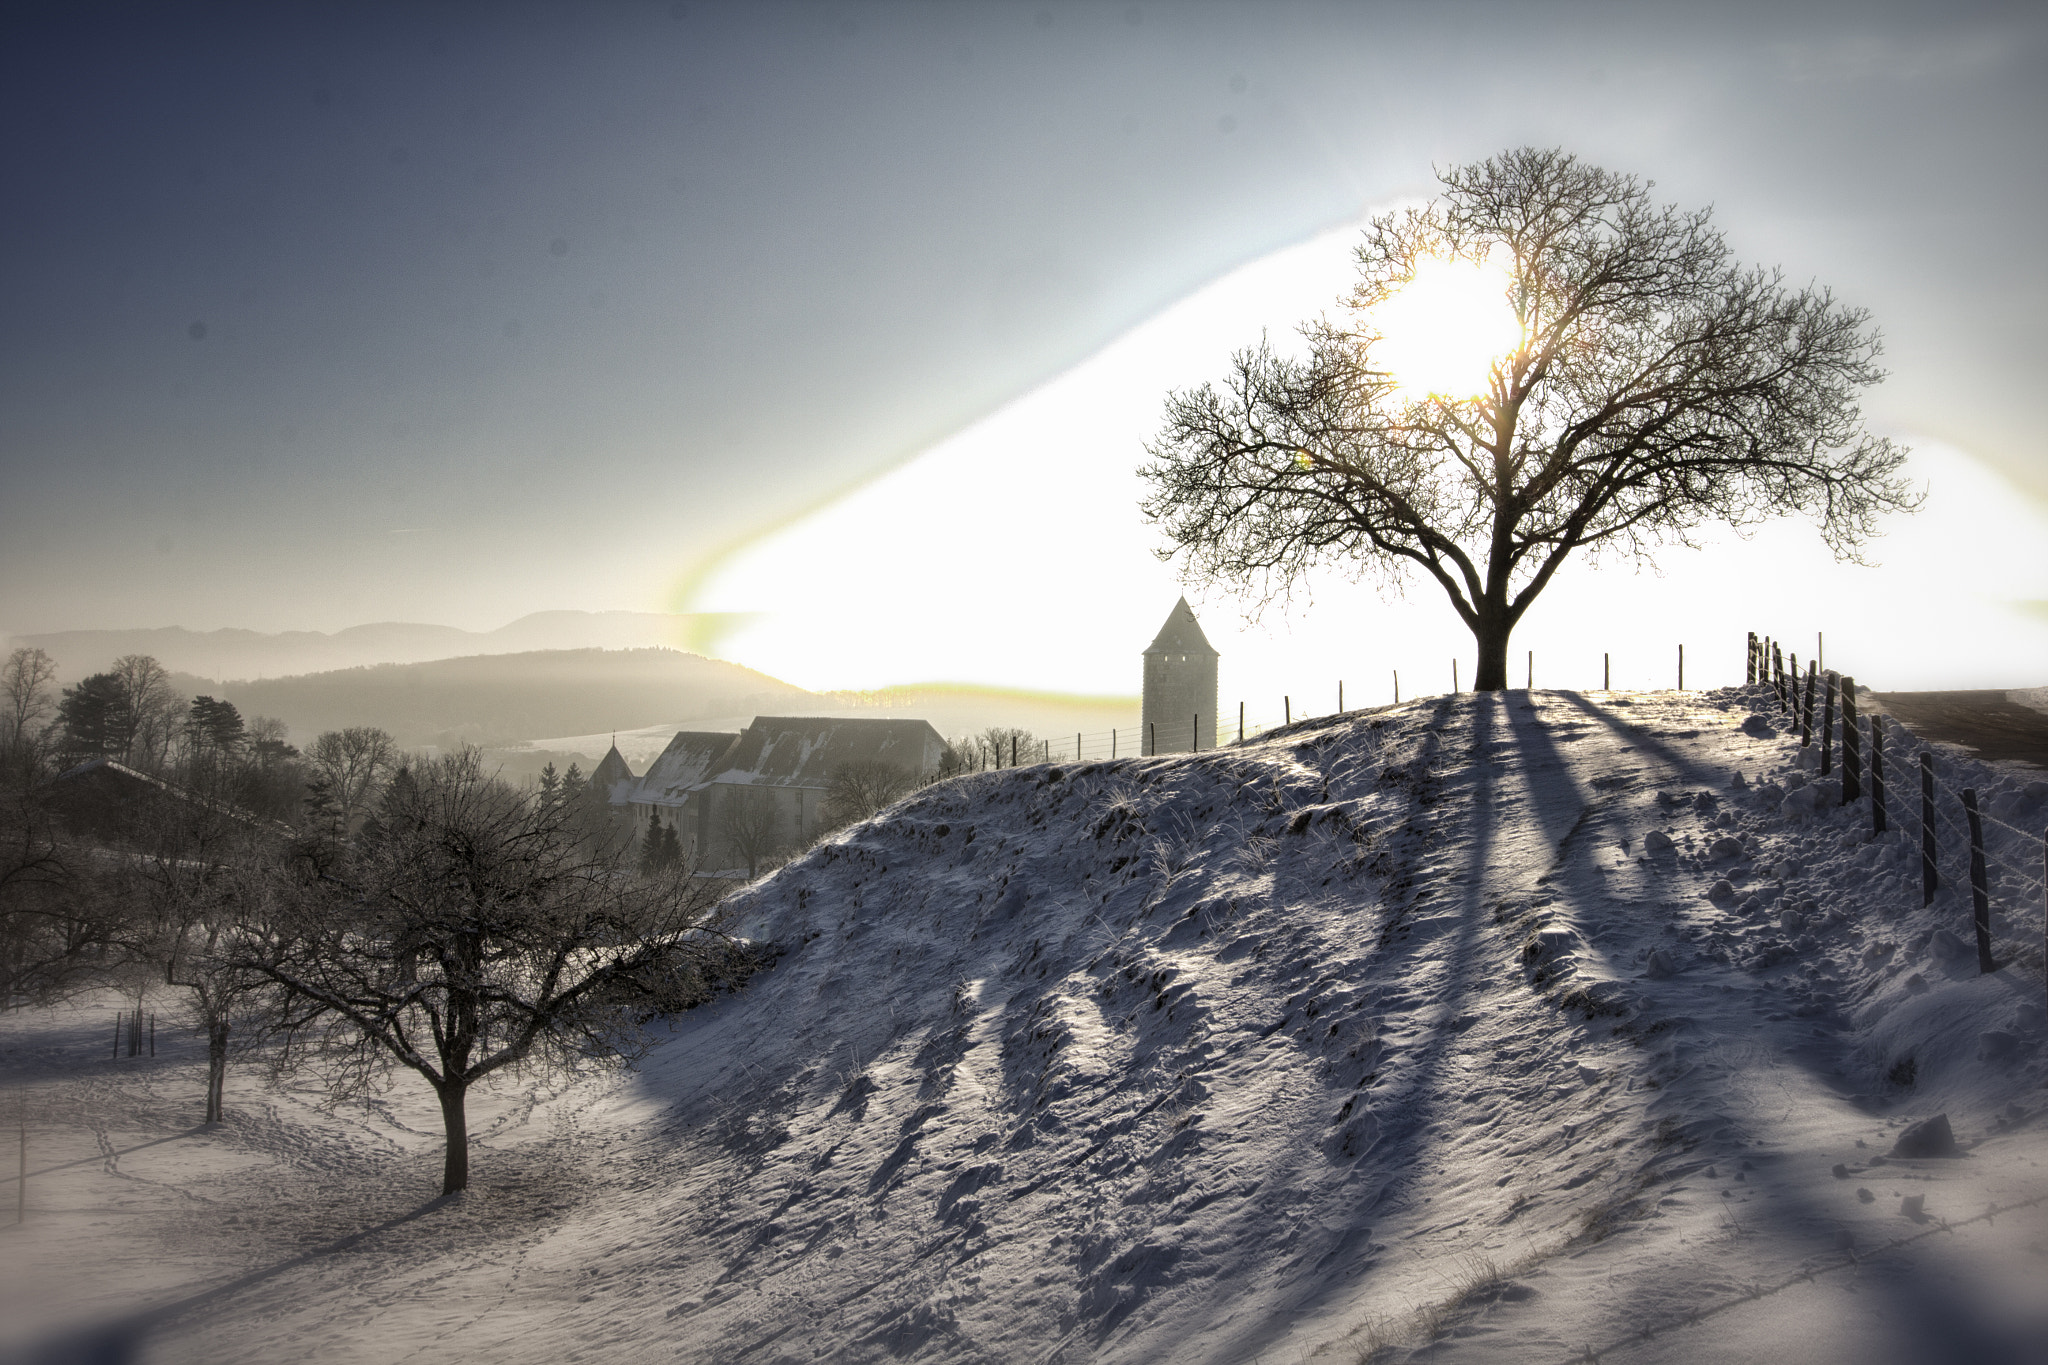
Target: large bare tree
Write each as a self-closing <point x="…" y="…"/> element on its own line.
<point x="1657" y="386"/>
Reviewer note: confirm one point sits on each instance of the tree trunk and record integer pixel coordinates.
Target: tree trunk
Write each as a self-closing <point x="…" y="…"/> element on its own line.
<point x="455" y="1170"/>
<point x="216" y="1067"/>
<point x="1491" y="634"/>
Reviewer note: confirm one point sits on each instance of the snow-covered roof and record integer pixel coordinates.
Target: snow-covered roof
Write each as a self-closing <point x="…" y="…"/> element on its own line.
<point x="1181" y="634"/>
<point x="613" y="776"/>
<point x="803" y="751"/>
<point x="690" y="758"/>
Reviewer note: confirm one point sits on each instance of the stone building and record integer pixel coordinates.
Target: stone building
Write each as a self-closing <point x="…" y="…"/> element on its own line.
<point x="1180" y="686"/>
<point x="766" y="785"/>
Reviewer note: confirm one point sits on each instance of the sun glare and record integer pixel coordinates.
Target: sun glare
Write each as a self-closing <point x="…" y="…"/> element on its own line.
<point x="1443" y="329"/>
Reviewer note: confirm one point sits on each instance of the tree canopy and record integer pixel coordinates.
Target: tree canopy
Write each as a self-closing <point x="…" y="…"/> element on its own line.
<point x="1653" y="385"/>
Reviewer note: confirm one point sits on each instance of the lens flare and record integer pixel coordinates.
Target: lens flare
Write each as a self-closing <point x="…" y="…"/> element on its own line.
<point x="1441" y="331"/>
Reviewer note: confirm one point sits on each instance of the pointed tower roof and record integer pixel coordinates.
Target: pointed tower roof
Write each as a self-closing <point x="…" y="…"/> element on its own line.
<point x="611" y="768"/>
<point x="1181" y="634"/>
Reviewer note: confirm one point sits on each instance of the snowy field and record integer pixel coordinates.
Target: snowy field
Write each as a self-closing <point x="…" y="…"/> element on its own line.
<point x="1481" y="1028"/>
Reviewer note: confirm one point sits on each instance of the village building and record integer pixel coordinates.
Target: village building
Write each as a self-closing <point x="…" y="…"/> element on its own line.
<point x="730" y="797"/>
<point x="1180" y="687"/>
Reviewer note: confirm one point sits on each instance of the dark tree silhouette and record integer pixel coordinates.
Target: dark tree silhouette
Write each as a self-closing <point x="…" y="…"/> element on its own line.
<point x="1657" y="386"/>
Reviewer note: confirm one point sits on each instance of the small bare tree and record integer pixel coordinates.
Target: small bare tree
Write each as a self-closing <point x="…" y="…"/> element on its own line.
<point x="154" y="710"/>
<point x="28" y="699"/>
<point x="59" y="930"/>
<point x="472" y="930"/>
<point x="751" y="825"/>
<point x="350" y="762"/>
<point x="1007" y="746"/>
<point x="1656" y="386"/>
<point x="861" y="787"/>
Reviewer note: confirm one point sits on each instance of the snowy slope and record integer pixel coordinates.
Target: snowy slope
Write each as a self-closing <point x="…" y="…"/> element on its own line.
<point x="1387" y="1028"/>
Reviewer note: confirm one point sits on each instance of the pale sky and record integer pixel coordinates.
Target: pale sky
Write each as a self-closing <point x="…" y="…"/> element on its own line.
<point x="329" y="314"/>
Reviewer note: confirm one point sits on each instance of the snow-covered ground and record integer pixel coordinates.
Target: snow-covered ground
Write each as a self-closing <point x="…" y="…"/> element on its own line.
<point x="1426" y="1028"/>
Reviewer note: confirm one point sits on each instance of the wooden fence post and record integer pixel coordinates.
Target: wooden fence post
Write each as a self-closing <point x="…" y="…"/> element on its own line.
<point x="1454" y="675"/>
<point x="1240" y="722"/>
<point x="1077" y="746"/>
<point x="1195" y="734"/>
<point x="1340" y="696"/>
<point x="1532" y="671"/>
<point x="1749" y="663"/>
<point x="1980" y="894"/>
<point x="1930" y="880"/>
<point x="1852" y="745"/>
<point x="1681" y="668"/>
<point x="1606" y="672"/>
<point x="1287" y="710"/>
<point x="1876" y="774"/>
<point x="1806" y="711"/>
<point x="1827" y="724"/>
<point x="117" y="1037"/>
<point x="1397" y="687"/>
<point x="1152" y="735"/>
<point x="1112" y="741"/>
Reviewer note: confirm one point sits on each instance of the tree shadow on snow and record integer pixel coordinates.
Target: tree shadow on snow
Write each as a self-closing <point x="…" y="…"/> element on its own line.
<point x="123" y="1341"/>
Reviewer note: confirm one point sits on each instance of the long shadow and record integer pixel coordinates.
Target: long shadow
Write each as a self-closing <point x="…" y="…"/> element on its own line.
<point x="1938" y="1325"/>
<point x="121" y="1342"/>
<point x="194" y="1131"/>
<point x="1421" y="1100"/>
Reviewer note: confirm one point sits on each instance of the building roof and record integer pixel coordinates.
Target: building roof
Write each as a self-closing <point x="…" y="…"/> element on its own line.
<point x="612" y="770"/>
<point x="1181" y="634"/>
<point x="688" y="761"/>
<point x="803" y="751"/>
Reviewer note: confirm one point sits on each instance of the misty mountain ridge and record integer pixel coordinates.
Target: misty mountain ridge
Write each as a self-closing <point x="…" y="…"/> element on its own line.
<point x="237" y="654"/>
<point x="494" y="700"/>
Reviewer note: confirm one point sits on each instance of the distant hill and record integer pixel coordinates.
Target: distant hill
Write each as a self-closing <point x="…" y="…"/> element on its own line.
<point x="242" y="654"/>
<point x="956" y="709"/>
<point x="500" y="699"/>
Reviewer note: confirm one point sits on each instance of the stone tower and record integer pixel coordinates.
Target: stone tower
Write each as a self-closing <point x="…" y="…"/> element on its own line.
<point x="1180" y="687"/>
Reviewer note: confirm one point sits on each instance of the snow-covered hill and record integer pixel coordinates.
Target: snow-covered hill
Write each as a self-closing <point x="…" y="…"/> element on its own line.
<point x="1426" y="1024"/>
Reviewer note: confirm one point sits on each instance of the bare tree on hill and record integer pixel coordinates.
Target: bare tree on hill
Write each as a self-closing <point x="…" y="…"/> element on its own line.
<point x="1656" y="387"/>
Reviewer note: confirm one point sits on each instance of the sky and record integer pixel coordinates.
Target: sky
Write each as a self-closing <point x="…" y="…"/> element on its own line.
<point x="318" y="315"/>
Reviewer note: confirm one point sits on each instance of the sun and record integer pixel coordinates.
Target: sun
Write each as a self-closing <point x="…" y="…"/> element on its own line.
<point x="1442" y="330"/>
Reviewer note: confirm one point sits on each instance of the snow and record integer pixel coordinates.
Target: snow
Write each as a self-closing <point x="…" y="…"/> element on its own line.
<point x="1395" y="1028"/>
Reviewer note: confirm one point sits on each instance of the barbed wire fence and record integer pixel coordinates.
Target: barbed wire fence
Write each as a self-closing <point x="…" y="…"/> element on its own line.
<point x="1198" y="733"/>
<point x="1905" y="783"/>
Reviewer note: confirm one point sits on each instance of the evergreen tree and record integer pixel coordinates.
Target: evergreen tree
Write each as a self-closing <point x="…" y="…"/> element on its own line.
<point x="650" y="847"/>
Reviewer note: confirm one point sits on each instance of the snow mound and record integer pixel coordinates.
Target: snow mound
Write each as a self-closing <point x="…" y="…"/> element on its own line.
<point x="1518" y="1024"/>
<point x="1186" y="1056"/>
